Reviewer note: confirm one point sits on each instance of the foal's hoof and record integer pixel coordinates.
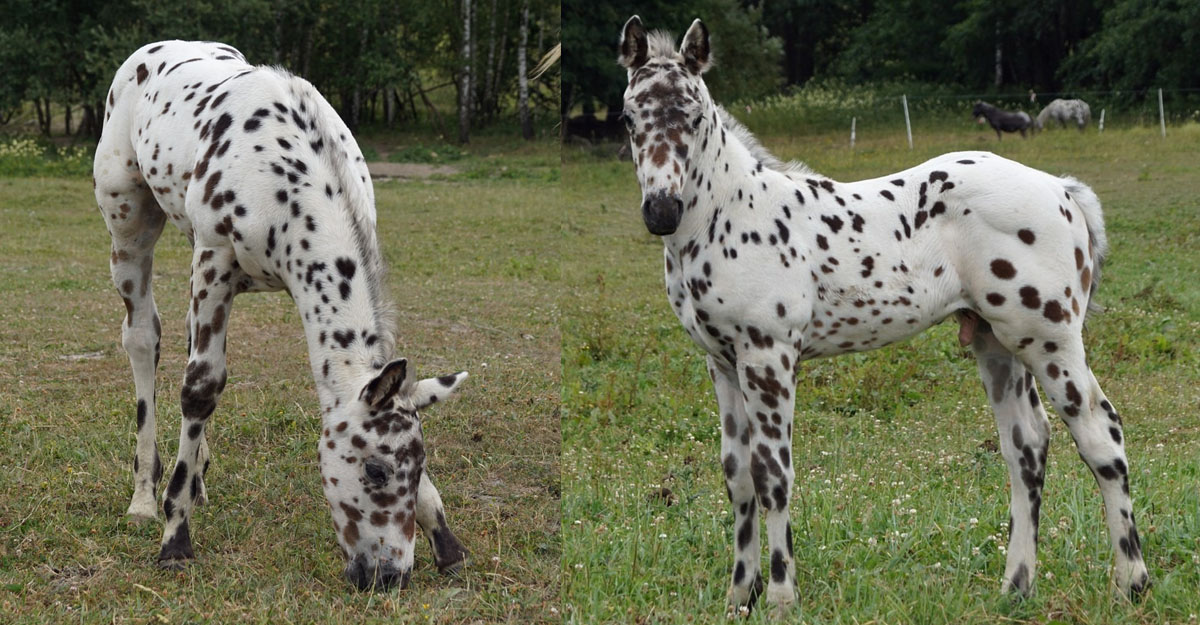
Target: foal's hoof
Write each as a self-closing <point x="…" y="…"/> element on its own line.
<point x="452" y="568"/>
<point x="139" y="511"/>
<point x="174" y="564"/>
<point x="1138" y="589"/>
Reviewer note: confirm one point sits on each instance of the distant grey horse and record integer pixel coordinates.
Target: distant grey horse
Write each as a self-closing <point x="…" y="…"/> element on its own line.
<point x="1075" y="111"/>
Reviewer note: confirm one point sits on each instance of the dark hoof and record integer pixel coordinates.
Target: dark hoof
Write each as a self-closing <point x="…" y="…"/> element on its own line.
<point x="1138" y="589"/>
<point x="454" y="566"/>
<point x="174" y="564"/>
<point x="448" y="552"/>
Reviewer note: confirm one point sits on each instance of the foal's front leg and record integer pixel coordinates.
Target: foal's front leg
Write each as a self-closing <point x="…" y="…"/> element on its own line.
<point x="768" y="388"/>
<point x="746" y="582"/>
<point x="448" y="553"/>
<point x="213" y="276"/>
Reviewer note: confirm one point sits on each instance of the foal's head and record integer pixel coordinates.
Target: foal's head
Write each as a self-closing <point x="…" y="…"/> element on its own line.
<point x="666" y="105"/>
<point x="372" y="456"/>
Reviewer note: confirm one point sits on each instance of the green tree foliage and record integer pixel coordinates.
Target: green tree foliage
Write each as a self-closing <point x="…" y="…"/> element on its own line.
<point x="1049" y="46"/>
<point x="358" y="52"/>
<point x="1142" y="44"/>
<point x="747" y="57"/>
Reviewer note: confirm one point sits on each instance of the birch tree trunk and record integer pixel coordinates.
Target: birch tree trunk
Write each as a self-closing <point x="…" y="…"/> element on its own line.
<point x="999" y="58"/>
<point x="464" y="79"/>
<point x="523" y="75"/>
<point x="489" y="79"/>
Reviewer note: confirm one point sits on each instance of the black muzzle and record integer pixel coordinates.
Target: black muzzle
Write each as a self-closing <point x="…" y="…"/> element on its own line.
<point x="662" y="212"/>
<point x="382" y="576"/>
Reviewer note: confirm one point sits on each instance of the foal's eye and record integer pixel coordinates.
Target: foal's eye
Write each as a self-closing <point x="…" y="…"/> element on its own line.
<point x="628" y="119"/>
<point x="376" y="472"/>
<point x="696" y="122"/>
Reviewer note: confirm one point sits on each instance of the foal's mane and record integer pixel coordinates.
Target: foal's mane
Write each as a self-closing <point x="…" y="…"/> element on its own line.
<point x="358" y="210"/>
<point x="743" y="134"/>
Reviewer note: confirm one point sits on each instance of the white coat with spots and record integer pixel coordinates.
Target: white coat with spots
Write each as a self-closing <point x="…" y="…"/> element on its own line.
<point x="266" y="182"/>
<point x="768" y="265"/>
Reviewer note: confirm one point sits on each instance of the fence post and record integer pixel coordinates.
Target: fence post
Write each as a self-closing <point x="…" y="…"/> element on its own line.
<point x="907" y="123"/>
<point x="853" y="120"/>
<point x="1162" y="121"/>
<point x="1101" y="120"/>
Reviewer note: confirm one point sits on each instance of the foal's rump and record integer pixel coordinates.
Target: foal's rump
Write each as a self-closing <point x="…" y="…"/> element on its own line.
<point x="1026" y="245"/>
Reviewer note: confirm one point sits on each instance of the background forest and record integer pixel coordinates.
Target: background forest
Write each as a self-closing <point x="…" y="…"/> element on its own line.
<point x="968" y="47"/>
<point x="380" y="61"/>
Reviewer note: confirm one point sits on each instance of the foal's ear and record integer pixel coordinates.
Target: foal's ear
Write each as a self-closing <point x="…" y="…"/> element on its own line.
<point x="695" y="50"/>
<point x="390" y="381"/>
<point x="634" y="48"/>
<point x="433" y="390"/>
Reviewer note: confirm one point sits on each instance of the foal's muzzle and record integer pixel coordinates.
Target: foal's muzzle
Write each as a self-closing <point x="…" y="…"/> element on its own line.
<point x="381" y="576"/>
<point x="661" y="212"/>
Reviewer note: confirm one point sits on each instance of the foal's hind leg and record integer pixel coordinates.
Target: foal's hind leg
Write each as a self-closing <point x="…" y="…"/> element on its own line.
<point x="135" y="222"/>
<point x="214" y="274"/>
<point x="1024" y="440"/>
<point x="448" y="553"/>
<point x="1061" y="368"/>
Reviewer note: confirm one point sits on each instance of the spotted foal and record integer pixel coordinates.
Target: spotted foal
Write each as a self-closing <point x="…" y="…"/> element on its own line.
<point x="266" y="182"/>
<point x="770" y="264"/>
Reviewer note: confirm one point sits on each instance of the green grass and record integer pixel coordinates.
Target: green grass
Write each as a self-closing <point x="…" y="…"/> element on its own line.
<point x="475" y="278"/>
<point x="900" y="508"/>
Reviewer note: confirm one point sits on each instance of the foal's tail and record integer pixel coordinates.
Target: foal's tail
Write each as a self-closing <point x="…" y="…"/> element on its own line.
<point x="1089" y="205"/>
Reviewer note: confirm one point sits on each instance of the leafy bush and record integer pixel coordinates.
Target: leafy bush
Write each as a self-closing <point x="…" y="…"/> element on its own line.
<point x="29" y="157"/>
<point x="421" y="153"/>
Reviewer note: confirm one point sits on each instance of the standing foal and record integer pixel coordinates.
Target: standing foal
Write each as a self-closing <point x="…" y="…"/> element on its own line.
<point x="264" y="179"/>
<point x="770" y="264"/>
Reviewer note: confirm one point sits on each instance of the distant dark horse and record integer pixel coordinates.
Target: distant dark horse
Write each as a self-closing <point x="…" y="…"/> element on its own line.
<point x="1000" y="119"/>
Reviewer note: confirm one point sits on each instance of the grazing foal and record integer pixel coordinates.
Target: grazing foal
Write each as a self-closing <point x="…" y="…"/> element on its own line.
<point x="264" y="179"/>
<point x="768" y="265"/>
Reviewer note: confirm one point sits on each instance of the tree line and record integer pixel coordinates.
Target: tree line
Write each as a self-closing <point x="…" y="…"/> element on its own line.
<point x="974" y="45"/>
<point x="377" y="61"/>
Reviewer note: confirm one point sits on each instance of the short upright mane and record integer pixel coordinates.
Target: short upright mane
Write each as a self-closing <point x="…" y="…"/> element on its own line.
<point x="359" y="210"/>
<point x="743" y="134"/>
<point x="661" y="44"/>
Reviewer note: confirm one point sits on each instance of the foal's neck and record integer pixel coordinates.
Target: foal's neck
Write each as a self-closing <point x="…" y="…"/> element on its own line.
<point x="344" y="327"/>
<point x="723" y="174"/>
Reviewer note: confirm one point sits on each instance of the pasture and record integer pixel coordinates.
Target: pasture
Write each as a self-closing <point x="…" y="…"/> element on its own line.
<point x="901" y="502"/>
<point x="473" y="269"/>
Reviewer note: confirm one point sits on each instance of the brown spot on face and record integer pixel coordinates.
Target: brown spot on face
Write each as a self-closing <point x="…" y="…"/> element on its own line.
<point x="1026" y="236"/>
<point x="1052" y="371"/>
<point x="1085" y="278"/>
<point x="142" y="73"/>
<point x="1003" y="269"/>
<point x="995" y="299"/>
<point x="352" y="513"/>
<point x="1078" y="259"/>
<point x="350" y="533"/>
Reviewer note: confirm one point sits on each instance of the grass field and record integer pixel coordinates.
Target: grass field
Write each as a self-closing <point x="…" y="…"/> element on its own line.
<point x="474" y="272"/>
<point x="887" y="531"/>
